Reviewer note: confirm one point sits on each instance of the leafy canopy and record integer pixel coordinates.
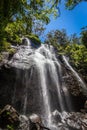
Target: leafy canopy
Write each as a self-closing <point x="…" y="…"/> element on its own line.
<point x="19" y="17"/>
<point x="70" y="4"/>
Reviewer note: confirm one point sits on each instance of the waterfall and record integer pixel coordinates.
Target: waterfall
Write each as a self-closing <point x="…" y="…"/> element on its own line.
<point x="45" y="80"/>
<point x="51" y="61"/>
<point x="76" y="75"/>
<point x="45" y="94"/>
<point x="28" y="41"/>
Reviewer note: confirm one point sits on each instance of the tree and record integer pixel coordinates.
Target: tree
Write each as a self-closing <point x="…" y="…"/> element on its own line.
<point x="70" y="4"/>
<point x="74" y="39"/>
<point x="84" y="36"/>
<point x="26" y="11"/>
<point x="38" y="27"/>
<point x="57" y="37"/>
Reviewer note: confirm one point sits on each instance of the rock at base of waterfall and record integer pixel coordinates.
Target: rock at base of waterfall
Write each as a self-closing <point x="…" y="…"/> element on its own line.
<point x="72" y="121"/>
<point x="9" y="117"/>
<point x="36" y="122"/>
<point x="64" y="120"/>
<point x="35" y="118"/>
<point x="77" y="121"/>
<point x="24" y="123"/>
<point x="56" y="116"/>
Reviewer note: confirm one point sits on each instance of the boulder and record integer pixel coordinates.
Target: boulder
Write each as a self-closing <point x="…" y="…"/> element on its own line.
<point x="56" y="116"/>
<point x="36" y="123"/>
<point x="24" y="123"/>
<point x="9" y="117"/>
<point x="35" y="118"/>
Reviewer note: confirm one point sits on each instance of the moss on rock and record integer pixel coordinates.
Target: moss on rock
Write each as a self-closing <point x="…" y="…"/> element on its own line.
<point x="4" y="45"/>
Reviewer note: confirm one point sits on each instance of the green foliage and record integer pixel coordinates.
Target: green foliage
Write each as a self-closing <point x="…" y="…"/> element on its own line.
<point x="4" y="45"/>
<point x="57" y="37"/>
<point x="8" y="113"/>
<point x="78" y="58"/>
<point x="24" y="12"/>
<point x="11" y="51"/>
<point x="72" y="48"/>
<point x="13" y="31"/>
<point x="84" y="36"/>
<point x="1" y="57"/>
<point x="38" y="28"/>
<point x="70" y="4"/>
<point x="19" y="17"/>
<point x="8" y="11"/>
<point x="74" y="39"/>
<point x="77" y="53"/>
<point x="10" y="127"/>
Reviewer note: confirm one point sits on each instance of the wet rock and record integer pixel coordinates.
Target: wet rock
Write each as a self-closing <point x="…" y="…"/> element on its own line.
<point x="70" y="120"/>
<point x="24" y="123"/>
<point x="56" y="116"/>
<point x="10" y="119"/>
<point x="9" y="116"/>
<point x="35" y="118"/>
<point x="5" y="56"/>
<point x="36" y="123"/>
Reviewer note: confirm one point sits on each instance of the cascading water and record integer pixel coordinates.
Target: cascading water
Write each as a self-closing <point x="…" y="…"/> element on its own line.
<point x="76" y="75"/>
<point x="52" y="62"/>
<point x="52" y="92"/>
<point x="49" y="59"/>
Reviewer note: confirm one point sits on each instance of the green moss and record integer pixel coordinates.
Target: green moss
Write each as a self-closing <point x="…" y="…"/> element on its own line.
<point x="4" y="45"/>
<point x="11" y="50"/>
<point x="1" y="57"/>
<point x="8" y="113"/>
<point x="13" y="33"/>
<point x="34" y="38"/>
<point x="15" y="39"/>
<point x="10" y="127"/>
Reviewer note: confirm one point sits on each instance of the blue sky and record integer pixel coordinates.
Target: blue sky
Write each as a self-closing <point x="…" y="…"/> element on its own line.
<point x="72" y="20"/>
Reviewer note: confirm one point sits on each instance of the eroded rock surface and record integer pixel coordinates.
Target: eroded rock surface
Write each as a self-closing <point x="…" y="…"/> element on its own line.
<point x="70" y="121"/>
<point x="61" y="121"/>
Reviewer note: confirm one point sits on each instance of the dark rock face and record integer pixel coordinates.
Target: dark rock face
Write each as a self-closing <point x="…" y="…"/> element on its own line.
<point x="77" y="97"/>
<point x="16" y="82"/>
<point x="27" y="90"/>
<point x="14" y="86"/>
<point x="7" y="80"/>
